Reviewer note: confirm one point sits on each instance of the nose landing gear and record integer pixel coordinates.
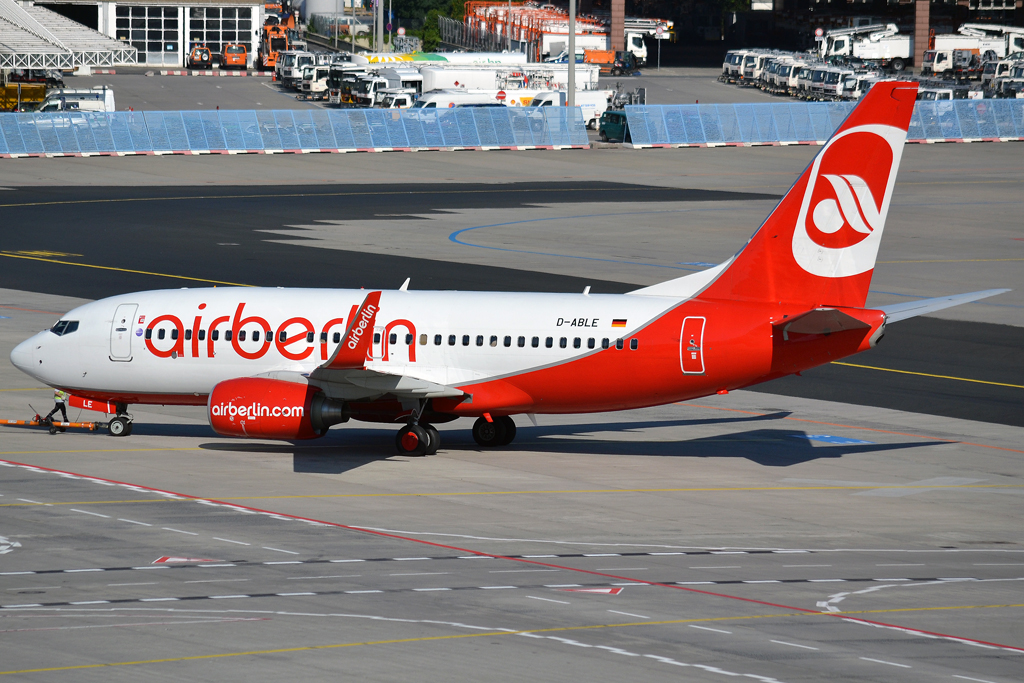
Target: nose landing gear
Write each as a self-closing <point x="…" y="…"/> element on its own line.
<point x="500" y="431"/>
<point x="416" y="439"/>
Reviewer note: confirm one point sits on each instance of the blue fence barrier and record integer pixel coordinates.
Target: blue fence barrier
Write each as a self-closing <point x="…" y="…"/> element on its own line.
<point x="335" y="130"/>
<point x="814" y="122"/>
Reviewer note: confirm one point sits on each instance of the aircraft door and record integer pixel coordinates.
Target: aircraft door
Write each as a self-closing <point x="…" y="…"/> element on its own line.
<point x="691" y="346"/>
<point x="121" y="332"/>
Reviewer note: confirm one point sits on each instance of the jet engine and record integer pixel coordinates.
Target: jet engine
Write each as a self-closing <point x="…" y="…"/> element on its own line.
<point x="264" y="408"/>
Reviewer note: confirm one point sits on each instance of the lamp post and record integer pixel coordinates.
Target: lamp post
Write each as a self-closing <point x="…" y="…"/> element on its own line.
<point x="570" y="95"/>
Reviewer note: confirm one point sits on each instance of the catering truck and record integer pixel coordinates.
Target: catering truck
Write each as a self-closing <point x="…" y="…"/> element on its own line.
<point x="881" y="44"/>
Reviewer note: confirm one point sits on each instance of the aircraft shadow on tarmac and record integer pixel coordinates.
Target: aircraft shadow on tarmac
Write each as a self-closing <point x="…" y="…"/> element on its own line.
<point x="352" y="448"/>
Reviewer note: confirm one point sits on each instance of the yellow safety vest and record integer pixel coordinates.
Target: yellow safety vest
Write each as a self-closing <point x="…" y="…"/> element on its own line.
<point x="60" y="396"/>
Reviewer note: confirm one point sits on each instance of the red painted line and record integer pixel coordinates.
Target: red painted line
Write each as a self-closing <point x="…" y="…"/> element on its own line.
<point x="480" y="553"/>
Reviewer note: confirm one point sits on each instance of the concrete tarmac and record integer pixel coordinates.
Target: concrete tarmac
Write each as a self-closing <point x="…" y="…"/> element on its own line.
<point x="778" y="538"/>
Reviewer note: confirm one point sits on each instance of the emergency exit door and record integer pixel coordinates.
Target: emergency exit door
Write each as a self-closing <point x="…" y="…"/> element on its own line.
<point x="691" y="346"/>
<point x="121" y="332"/>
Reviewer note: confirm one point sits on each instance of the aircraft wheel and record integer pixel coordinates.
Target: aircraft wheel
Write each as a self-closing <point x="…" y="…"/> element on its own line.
<point x="510" y="430"/>
<point x="119" y="426"/>
<point x="435" y="439"/>
<point x="489" y="434"/>
<point x="412" y="440"/>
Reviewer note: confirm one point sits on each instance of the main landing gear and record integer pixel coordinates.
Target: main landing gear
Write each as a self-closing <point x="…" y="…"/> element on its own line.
<point x="498" y="431"/>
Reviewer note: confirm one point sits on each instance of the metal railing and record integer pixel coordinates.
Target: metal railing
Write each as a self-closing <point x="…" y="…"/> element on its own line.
<point x="272" y="131"/>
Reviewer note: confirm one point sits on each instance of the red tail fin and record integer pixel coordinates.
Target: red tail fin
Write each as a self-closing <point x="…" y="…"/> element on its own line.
<point x="351" y="352"/>
<point x="818" y="246"/>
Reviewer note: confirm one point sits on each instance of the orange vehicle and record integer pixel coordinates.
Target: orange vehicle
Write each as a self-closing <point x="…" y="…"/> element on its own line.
<point x="200" y="57"/>
<point x="611" y="62"/>
<point x="235" y="56"/>
<point x="275" y="40"/>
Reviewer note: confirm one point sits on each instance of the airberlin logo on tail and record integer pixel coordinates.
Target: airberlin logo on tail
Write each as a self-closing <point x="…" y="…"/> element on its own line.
<point x="365" y="320"/>
<point x="846" y="200"/>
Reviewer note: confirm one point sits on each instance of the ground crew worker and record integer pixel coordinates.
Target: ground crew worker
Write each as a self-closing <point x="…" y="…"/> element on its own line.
<point x="60" y="399"/>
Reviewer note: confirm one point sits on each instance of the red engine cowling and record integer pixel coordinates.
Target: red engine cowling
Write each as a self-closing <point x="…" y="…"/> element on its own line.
<point x="263" y="408"/>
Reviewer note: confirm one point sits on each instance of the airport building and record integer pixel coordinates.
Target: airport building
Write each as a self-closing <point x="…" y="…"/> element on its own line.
<point x="164" y="31"/>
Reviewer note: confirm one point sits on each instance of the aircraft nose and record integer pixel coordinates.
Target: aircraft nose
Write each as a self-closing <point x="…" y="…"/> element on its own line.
<point x="21" y="356"/>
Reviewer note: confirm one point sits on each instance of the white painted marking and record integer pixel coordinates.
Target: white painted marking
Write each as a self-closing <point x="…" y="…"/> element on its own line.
<point x="285" y="562"/>
<point x="783" y="642"/>
<point x="157" y="599"/>
<point x="339" y="561"/>
<point x="132" y="521"/>
<point x="225" y="564"/>
<point x="563" y="585"/>
<point x="14" y="573"/>
<point x="475" y="557"/>
<point x="728" y="552"/>
<point x="145" y="583"/>
<point x="425" y="590"/>
<point x="278" y="550"/>
<point x="86" y="512"/>
<point x="695" y="583"/>
<point x="494" y="588"/>
<point x="35" y="604"/>
<point x="890" y="579"/>
<point x="666" y="553"/>
<point x="535" y="556"/>
<point x="968" y="678"/>
<point x="882" y="661"/>
<point x="289" y="595"/>
<point x="705" y="628"/>
<point x="91" y="602"/>
<point x="76" y="571"/>
<point x="32" y="588"/>
<point x="781" y="552"/>
<point x="356" y="592"/>
<point x="179" y="531"/>
<point x="826" y="580"/>
<point x="628" y="614"/>
<point x="228" y="540"/>
<point x="159" y="566"/>
<point x="764" y="581"/>
<point x="408" y="559"/>
<point x="560" y="602"/>
<point x="26" y="500"/>
<point x="602" y="554"/>
<point x="719" y="567"/>
<point x="1000" y="564"/>
<point x="422" y="574"/>
<point x="227" y="597"/>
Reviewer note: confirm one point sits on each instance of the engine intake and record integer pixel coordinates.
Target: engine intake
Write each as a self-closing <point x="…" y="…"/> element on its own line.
<point x="263" y="408"/>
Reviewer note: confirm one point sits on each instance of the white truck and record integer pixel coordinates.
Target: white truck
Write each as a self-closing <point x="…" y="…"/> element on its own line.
<point x="289" y="66"/>
<point x="449" y="99"/>
<point x="395" y="98"/>
<point x="556" y="46"/>
<point x="879" y="43"/>
<point x="593" y="103"/>
<point x="100" y="98"/>
<point x="314" y="82"/>
<point x="529" y="76"/>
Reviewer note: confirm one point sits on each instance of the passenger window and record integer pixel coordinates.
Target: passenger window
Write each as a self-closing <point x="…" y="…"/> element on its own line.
<point x="376" y="337"/>
<point x="535" y="342"/>
<point x="549" y="342"/>
<point x="202" y="335"/>
<point x="437" y="340"/>
<point x="174" y="333"/>
<point x="577" y="342"/>
<point x="423" y="340"/>
<point x="393" y="338"/>
<point x="563" y="342"/>
<point x="590" y="343"/>
<point x="479" y="340"/>
<point x="241" y="335"/>
<point x="634" y="344"/>
<point x="494" y="340"/>
<point x="521" y="341"/>
<point x="149" y="333"/>
<point x="255" y="335"/>
<point x="282" y="335"/>
<point x="161" y="333"/>
<point x="508" y="341"/>
<point x="618" y="344"/>
<point x="227" y="335"/>
<point x="465" y="340"/>
<point x="604" y="343"/>
<point x="310" y="336"/>
<point x="408" y="339"/>
<point x="188" y="335"/>
<point x="215" y="335"/>
<point x="451" y="340"/>
<point x="337" y="337"/>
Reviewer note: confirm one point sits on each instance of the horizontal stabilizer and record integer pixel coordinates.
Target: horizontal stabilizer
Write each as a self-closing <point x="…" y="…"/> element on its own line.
<point x="910" y="309"/>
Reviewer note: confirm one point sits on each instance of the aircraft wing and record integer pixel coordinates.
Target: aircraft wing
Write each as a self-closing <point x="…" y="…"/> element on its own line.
<point x="910" y="309"/>
<point x="350" y="384"/>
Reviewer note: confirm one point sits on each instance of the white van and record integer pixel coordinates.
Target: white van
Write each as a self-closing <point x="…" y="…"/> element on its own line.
<point x="447" y="99"/>
<point x="592" y="102"/>
<point x="100" y="98"/>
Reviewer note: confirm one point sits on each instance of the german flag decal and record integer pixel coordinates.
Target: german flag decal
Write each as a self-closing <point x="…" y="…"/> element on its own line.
<point x="619" y="322"/>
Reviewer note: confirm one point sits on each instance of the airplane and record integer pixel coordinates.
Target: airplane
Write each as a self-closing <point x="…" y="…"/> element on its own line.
<point x="288" y="364"/>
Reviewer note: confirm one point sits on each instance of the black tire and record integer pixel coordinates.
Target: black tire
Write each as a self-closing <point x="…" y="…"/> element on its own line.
<point x="435" y="439"/>
<point x="488" y="434"/>
<point x="898" y="65"/>
<point x="53" y="430"/>
<point x="129" y="432"/>
<point x="412" y="440"/>
<point x="603" y="136"/>
<point x="119" y="426"/>
<point x="510" y="430"/>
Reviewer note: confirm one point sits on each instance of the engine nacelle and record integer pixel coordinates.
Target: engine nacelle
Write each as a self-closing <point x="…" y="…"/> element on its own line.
<point x="264" y="408"/>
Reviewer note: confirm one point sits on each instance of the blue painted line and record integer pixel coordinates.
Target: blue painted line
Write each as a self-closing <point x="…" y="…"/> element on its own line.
<point x="826" y="438"/>
<point x="697" y="263"/>
<point x="5" y="317"/>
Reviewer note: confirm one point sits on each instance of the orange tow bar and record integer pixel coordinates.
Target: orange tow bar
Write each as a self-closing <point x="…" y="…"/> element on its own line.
<point x="54" y="426"/>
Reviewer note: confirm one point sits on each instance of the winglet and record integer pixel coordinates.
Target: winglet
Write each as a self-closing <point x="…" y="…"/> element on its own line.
<point x="351" y="352"/>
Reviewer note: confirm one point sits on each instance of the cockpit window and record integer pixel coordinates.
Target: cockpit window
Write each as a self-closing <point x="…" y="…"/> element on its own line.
<point x="63" y="327"/>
